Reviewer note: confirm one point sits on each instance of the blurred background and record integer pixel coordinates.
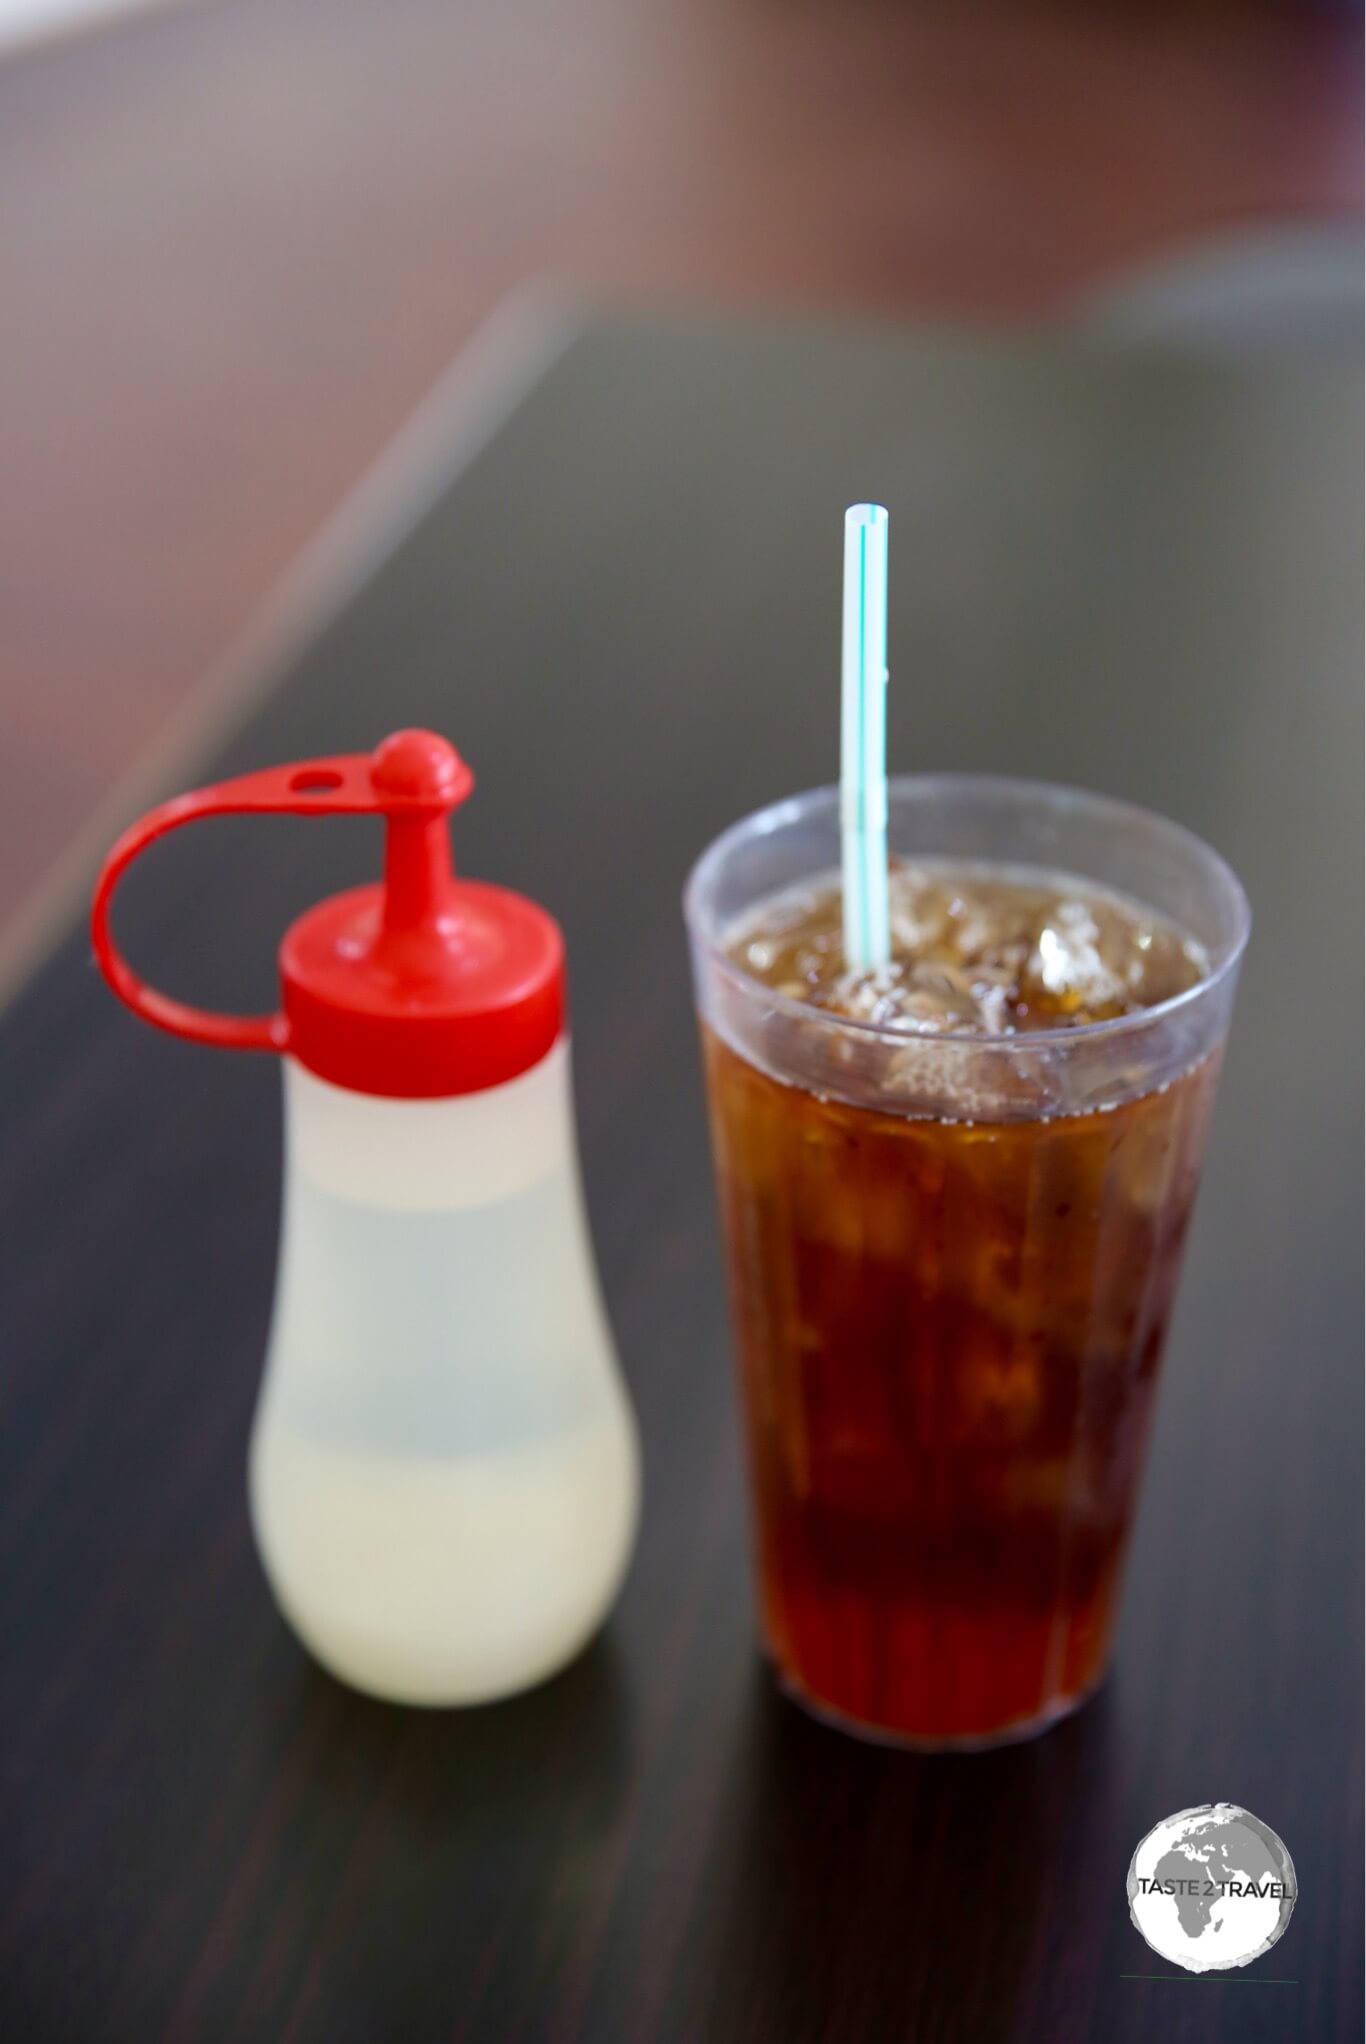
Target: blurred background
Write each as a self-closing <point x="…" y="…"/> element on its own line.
<point x="240" y="238"/>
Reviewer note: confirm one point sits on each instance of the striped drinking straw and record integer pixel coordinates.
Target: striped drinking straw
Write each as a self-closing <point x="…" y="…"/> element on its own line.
<point x="863" y="742"/>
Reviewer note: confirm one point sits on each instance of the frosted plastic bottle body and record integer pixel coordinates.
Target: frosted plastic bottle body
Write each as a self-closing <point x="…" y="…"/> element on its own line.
<point x="443" y="1466"/>
<point x="444" y="1475"/>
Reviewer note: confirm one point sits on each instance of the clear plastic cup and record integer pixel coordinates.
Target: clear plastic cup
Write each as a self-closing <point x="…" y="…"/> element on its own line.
<point x="952" y="1262"/>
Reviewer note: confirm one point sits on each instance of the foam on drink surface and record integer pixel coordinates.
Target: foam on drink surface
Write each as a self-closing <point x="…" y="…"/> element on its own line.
<point x="976" y="950"/>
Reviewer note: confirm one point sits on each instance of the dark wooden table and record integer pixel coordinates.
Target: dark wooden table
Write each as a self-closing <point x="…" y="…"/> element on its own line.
<point x="1142" y="574"/>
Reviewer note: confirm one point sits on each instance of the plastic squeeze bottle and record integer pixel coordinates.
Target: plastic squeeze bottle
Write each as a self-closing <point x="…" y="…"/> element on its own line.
<point x="443" y="1473"/>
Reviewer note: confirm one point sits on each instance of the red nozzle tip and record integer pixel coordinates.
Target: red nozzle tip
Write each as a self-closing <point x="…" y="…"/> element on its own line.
<point x="419" y="767"/>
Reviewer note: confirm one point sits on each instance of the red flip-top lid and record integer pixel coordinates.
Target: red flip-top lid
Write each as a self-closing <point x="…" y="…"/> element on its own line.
<point x="419" y="986"/>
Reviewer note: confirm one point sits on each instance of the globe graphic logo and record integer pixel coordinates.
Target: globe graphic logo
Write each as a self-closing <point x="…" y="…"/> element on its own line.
<point x="1211" y="1887"/>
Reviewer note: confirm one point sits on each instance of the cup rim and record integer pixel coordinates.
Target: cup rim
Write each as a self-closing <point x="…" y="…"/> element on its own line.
<point x="1022" y="1042"/>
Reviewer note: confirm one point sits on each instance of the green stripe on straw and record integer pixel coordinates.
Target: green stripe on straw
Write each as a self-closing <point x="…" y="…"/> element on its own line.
<point x="863" y="746"/>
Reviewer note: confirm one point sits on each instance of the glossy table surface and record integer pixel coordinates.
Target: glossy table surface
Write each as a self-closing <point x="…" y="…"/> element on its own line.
<point x="1135" y="572"/>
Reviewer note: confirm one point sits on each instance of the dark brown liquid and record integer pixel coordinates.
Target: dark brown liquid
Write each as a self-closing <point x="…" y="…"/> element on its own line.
<point x="949" y="1339"/>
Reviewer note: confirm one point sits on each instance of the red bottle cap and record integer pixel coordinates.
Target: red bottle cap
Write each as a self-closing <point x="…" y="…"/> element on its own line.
<point x="417" y="987"/>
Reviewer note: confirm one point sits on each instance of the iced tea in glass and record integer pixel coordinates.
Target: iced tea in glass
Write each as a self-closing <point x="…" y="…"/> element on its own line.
<point x="955" y="1197"/>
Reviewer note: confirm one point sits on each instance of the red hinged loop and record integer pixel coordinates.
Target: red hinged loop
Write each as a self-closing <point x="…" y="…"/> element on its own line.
<point x="420" y="986"/>
<point x="414" y="779"/>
